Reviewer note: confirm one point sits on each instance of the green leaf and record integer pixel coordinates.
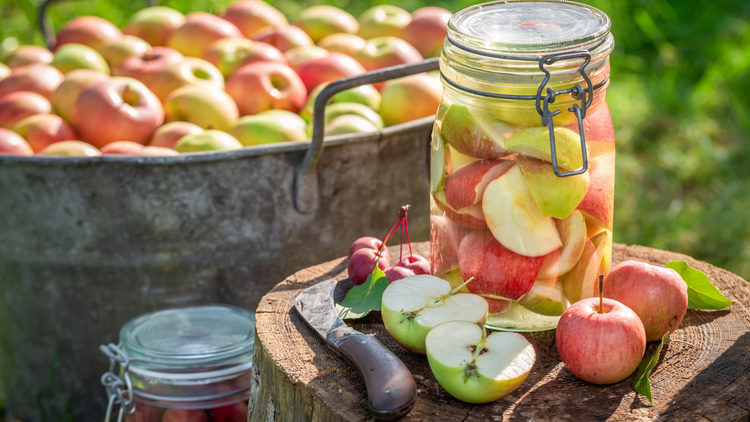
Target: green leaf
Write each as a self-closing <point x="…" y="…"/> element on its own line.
<point x="701" y="293"/>
<point x="366" y="297"/>
<point x="641" y="384"/>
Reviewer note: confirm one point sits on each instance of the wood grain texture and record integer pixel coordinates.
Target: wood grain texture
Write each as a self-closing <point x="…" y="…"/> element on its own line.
<point x="299" y="378"/>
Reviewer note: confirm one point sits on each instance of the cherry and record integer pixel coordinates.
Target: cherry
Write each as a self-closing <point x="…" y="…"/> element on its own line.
<point x="397" y="273"/>
<point x="362" y="264"/>
<point x="236" y="412"/>
<point x="417" y="263"/>
<point x="370" y="243"/>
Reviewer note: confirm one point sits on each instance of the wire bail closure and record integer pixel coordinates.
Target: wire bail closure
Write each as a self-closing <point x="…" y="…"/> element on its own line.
<point x="119" y="391"/>
<point x="577" y="92"/>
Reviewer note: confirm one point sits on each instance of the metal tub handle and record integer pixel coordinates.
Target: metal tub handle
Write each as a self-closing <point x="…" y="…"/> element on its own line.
<point x="306" y="194"/>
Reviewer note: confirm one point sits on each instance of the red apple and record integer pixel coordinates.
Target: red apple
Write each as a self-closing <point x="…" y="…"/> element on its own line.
<point x="146" y="66"/>
<point x="185" y="415"/>
<point x="251" y="16"/>
<point x="167" y="135"/>
<point x="229" y="54"/>
<point x="92" y="31"/>
<point x="150" y="151"/>
<point x="321" y="21"/>
<point x="40" y="78"/>
<point x="28" y="54"/>
<point x="427" y="30"/>
<point x="154" y="24"/>
<point x="410" y="98"/>
<point x="348" y="44"/>
<point x="236" y="412"/>
<point x="209" y="108"/>
<point x="12" y="143"/>
<point x="118" y="109"/>
<point x="657" y="295"/>
<point x="71" y="149"/>
<point x="465" y="186"/>
<point x="298" y="56"/>
<point x="284" y="38"/>
<point x="327" y="69"/>
<point x="190" y="71"/>
<point x="385" y="52"/>
<point x="19" y="105"/>
<point x="382" y="21"/>
<point x="200" y="30"/>
<point x="114" y="52"/>
<point x="67" y="93"/>
<point x="42" y="130"/>
<point x="121" y="148"/>
<point x="600" y="348"/>
<point x="369" y="242"/>
<point x="497" y="270"/>
<point x="265" y="86"/>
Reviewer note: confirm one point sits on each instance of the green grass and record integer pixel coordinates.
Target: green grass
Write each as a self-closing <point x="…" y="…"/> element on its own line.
<point x="679" y="99"/>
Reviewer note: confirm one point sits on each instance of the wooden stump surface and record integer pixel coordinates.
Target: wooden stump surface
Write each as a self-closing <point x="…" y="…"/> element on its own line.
<point x="298" y="377"/>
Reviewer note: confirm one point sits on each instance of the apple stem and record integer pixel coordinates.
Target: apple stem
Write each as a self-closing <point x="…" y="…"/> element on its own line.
<point x="484" y="335"/>
<point x="601" y="294"/>
<point x="460" y="287"/>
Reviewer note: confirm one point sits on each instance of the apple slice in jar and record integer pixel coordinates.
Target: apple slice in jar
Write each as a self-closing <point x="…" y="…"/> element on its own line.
<point x="475" y="367"/>
<point x="445" y="238"/>
<point x="472" y="135"/>
<point x="470" y="217"/>
<point x="572" y="232"/>
<point x="555" y="196"/>
<point x="459" y="160"/>
<point x="582" y="281"/>
<point x="440" y="160"/>
<point x="534" y="142"/>
<point x="514" y="218"/>
<point x="546" y="297"/>
<point x="465" y="186"/>
<point x="598" y="201"/>
<point x="593" y="226"/>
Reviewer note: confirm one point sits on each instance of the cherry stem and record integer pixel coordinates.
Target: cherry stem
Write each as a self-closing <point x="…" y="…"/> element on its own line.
<point x="401" y="243"/>
<point x="406" y="224"/>
<point x="460" y="287"/>
<point x="601" y="294"/>
<point x="683" y="342"/>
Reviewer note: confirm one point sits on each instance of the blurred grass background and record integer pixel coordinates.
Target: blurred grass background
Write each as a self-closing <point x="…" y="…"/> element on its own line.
<point x="680" y="101"/>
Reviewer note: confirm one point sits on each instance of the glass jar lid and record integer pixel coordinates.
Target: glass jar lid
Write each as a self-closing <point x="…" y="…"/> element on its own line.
<point x="528" y="26"/>
<point x="206" y="336"/>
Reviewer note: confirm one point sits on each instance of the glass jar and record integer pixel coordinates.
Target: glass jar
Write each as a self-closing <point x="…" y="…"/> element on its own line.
<point x="187" y="364"/>
<point x="523" y="158"/>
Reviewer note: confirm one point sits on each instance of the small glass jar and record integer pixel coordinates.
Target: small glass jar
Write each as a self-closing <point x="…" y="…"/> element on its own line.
<point x="186" y="364"/>
<point x="521" y="202"/>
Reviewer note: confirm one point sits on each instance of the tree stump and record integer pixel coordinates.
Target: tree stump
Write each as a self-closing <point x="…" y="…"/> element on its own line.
<point x="300" y="378"/>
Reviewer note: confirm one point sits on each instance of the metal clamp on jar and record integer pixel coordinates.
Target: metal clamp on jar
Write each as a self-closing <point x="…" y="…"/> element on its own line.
<point x="523" y="154"/>
<point x="182" y="364"/>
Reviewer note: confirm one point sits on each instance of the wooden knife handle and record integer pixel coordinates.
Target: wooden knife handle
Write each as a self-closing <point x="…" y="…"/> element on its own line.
<point x="391" y="390"/>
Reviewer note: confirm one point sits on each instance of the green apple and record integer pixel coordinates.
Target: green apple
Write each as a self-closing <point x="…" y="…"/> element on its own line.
<point x="555" y="196"/>
<point x="514" y="218"/>
<point x="572" y="232"/>
<point x="414" y="305"/>
<point x="28" y="54"/>
<point x="410" y="98"/>
<point x="440" y="161"/>
<point x="339" y="109"/>
<point x="534" y="142"/>
<point x="349" y="123"/>
<point x="321" y="21"/>
<point x="582" y="281"/>
<point x="471" y="135"/>
<point x="363" y="94"/>
<point x="475" y="367"/>
<point x="78" y="56"/>
<point x="114" y="52"/>
<point x="207" y="107"/>
<point x="546" y="297"/>
<point x="383" y="20"/>
<point x="209" y="140"/>
<point x="154" y="24"/>
<point x="269" y="127"/>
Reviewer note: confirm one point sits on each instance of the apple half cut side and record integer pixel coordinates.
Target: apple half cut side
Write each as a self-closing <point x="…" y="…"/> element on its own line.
<point x="465" y="186"/>
<point x="478" y="368"/>
<point x="470" y="217"/>
<point x="414" y="305"/>
<point x="534" y="142"/>
<point x="440" y="160"/>
<point x="471" y="135"/>
<point x="555" y="196"/>
<point x="514" y="218"/>
<point x="582" y="281"/>
<point x="546" y="297"/>
<point x="572" y="232"/>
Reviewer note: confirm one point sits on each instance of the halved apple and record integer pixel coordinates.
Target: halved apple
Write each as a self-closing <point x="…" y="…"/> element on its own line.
<point x="572" y="232"/>
<point x="555" y="196"/>
<point x="497" y="271"/>
<point x="582" y="281"/>
<point x="465" y="186"/>
<point x="471" y="135"/>
<point x="546" y="297"/>
<point x="514" y="218"/>
<point x="440" y="160"/>
<point x="534" y="142"/>
<point x="470" y="217"/>
<point x="412" y="306"/>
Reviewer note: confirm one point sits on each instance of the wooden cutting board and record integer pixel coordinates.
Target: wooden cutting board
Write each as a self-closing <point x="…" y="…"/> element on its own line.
<point x="299" y="378"/>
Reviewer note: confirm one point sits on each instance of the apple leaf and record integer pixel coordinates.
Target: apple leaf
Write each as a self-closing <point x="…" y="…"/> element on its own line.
<point x="641" y="384"/>
<point x="366" y="297"/>
<point x="701" y="293"/>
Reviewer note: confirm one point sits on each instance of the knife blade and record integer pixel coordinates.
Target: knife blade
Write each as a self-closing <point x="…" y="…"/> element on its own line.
<point x="391" y="390"/>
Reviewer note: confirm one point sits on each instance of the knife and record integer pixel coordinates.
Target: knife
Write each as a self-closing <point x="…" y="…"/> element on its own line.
<point x="391" y="390"/>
